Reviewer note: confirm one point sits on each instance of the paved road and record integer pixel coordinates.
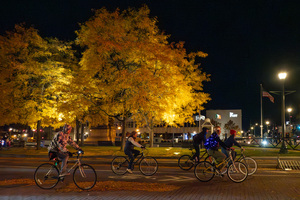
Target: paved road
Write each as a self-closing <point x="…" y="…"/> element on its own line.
<point x="267" y="184"/>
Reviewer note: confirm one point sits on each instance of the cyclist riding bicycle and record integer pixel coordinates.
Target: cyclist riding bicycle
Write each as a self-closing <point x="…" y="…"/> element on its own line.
<point x="229" y="143"/>
<point x="57" y="148"/>
<point x="212" y="146"/>
<point x="197" y="140"/>
<point x="130" y="151"/>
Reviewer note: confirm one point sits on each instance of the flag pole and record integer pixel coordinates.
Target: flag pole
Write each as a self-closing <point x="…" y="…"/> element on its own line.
<point x="261" y="112"/>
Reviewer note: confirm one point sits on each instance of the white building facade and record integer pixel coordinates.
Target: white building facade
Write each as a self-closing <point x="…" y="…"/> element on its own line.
<point x="224" y="116"/>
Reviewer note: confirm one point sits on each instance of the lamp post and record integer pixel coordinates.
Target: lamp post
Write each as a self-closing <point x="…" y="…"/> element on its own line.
<point x="283" y="149"/>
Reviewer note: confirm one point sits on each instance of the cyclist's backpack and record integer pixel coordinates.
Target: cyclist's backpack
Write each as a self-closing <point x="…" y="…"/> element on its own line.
<point x="211" y="142"/>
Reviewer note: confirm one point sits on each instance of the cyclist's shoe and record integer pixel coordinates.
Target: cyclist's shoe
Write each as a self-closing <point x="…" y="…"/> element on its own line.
<point x="64" y="174"/>
<point x="129" y="171"/>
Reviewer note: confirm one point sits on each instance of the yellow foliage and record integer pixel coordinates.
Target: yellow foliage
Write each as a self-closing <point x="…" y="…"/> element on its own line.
<point x="132" y="68"/>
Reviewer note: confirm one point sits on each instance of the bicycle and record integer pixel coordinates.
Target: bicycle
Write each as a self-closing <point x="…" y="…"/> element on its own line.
<point x="148" y="165"/>
<point x="249" y="162"/>
<point x="46" y="176"/>
<point x="236" y="172"/>
<point x="186" y="162"/>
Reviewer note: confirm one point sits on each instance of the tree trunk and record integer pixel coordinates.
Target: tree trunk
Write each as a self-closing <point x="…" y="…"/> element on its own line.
<point x="123" y="134"/>
<point x="77" y="131"/>
<point x="151" y="136"/>
<point x="110" y="129"/>
<point x="38" y="135"/>
<point x="82" y="134"/>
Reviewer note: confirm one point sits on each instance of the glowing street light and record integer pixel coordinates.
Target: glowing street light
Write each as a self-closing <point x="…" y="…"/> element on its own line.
<point x="282" y="76"/>
<point x="289" y="110"/>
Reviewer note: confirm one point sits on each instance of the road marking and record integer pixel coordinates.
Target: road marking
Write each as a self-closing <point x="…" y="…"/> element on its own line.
<point x="178" y="178"/>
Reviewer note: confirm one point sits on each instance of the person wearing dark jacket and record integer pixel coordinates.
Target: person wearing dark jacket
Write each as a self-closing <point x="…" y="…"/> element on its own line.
<point x="130" y="151"/>
<point x="230" y="142"/>
<point x="197" y="140"/>
<point x="214" y="151"/>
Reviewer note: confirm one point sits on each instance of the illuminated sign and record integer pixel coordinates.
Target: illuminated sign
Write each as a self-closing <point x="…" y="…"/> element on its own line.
<point x="231" y="114"/>
<point x="202" y="117"/>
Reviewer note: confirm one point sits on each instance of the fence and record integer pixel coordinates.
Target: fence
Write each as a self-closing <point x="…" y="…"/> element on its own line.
<point x="293" y="143"/>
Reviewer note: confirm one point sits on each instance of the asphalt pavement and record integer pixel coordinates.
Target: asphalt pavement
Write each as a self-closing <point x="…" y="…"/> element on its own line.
<point x="269" y="182"/>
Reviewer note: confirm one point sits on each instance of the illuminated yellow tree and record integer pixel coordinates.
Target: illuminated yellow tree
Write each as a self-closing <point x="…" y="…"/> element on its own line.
<point x="29" y="67"/>
<point x="129" y="68"/>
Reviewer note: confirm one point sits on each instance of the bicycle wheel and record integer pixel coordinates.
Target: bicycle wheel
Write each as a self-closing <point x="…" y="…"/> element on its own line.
<point x="46" y="176"/>
<point x="250" y="163"/>
<point x="237" y="172"/>
<point x="84" y="177"/>
<point x="148" y="166"/>
<point x="185" y="162"/>
<point x="204" y="171"/>
<point x="119" y="165"/>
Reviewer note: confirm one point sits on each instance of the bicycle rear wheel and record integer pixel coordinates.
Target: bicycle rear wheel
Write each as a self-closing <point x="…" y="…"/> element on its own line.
<point x="204" y="171"/>
<point x="84" y="177"/>
<point x="250" y="164"/>
<point x="185" y="162"/>
<point x="237" y="172"/>
<point x="148" y="166"/>
<point x="119" y="165"/>
<point x="46" y="176"/>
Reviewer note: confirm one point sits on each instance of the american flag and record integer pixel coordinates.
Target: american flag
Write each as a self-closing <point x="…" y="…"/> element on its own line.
<point x="267" y="94"/>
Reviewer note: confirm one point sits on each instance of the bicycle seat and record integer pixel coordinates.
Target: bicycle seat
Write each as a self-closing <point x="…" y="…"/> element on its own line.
<point x="53" y="156"/>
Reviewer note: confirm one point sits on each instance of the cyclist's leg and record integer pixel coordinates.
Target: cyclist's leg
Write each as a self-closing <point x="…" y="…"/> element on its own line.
<point x="225" y="152"/>
<point x="217" y="155"/>
<point x="211" y="153"/>
<point x="197" y="154"/>
<point x="233" y="154"/>
<point x="64" y="159"/>
<point x="131" y="158"/>
<point x="135" y="152"/>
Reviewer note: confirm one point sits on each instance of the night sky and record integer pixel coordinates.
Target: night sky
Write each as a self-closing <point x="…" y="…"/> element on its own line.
<point x="248" y="42"/>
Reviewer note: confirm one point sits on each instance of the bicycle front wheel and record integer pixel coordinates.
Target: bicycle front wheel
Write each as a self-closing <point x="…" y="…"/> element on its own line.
<point x="251" y="164"/>
<point x="119" y="165"/>
<point x="84" y="177"/>
<point x="237" y="172"/>
<point x="46" y="176"/>
<point x="148" y="166"/>
<point x="185" y="162"/>
<point x="204" y="171"/>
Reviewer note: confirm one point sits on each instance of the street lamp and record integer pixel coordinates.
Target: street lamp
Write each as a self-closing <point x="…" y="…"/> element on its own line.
<point x="283" y="149"/>
<point x="267" y="123"/>
<point x="289" y="111"/>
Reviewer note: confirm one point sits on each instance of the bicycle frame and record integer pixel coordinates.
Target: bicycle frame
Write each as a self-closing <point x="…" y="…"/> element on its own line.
<point x="77" y="163"/>
<point x="242" y="156"/>
<point x="225" y="163"/>
<point x="200" y="157"/>
<point x="138" y="158"/>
